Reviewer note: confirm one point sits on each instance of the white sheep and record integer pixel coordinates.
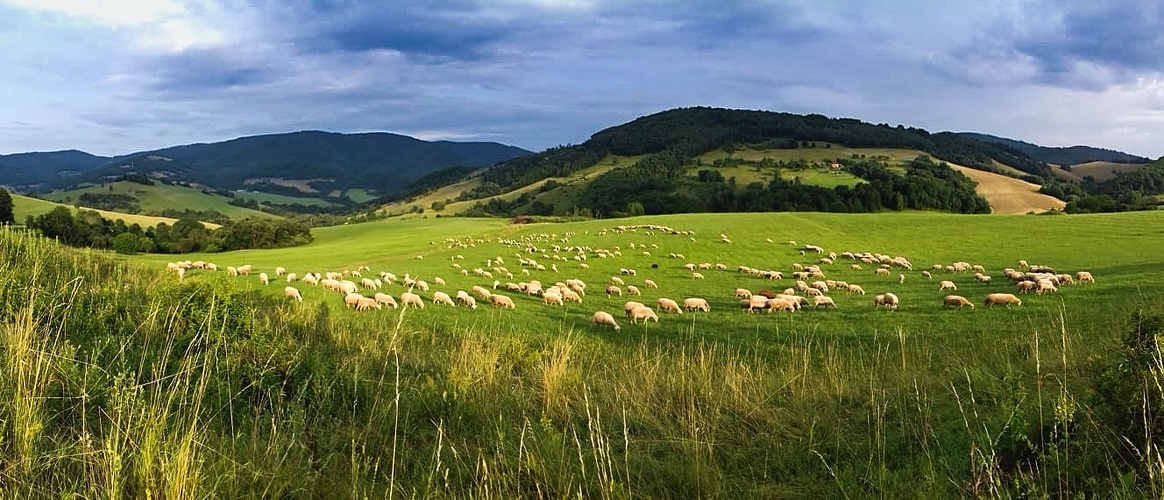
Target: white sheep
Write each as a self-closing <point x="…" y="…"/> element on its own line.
<point x="443" y="298"/>
<point x="293" y="293"/>
<point x="1003" y="298"/>
<point x="665" y="304"/>
<point x="630" y="306"/>
<point x="366" y="303"/>
<point x="292" y="277"/>
<point x="633" y="290"/>
<point x="502" y="301"/>
<point x="482" y="292"/>
<point x="604" y="318"/>
<point x="411" y="299"/>
<point x="439" y="281"/>
<point x="947" y="284"/>
<point x="613" y="290"/>
<point x="743" y="293"/>
<point x="1083" y="276"/>
<point x="822" y="300"/>
<point x="644" y="313"/>
<point x="244" y="270"/>
<point x="384" y="298"/>
<point x="696" y="304"/>
<point x="369" y="283"/>
<point x="887" y="300"/>
<point x="956" y="301"/>
<point x="650" y="283"/>
<point x="1045" y="285"/>
<point x="855" y="288"/>
<point x="352" y="299"/>
<point x="310" y="279"/>
<point x="553" y="298"/>
<point x="780" y="304"/>
<point x="279" y="271"/>
<point x="697" y="276"/>
<point x="264" y="279"/>
<point x="571" y="296"/>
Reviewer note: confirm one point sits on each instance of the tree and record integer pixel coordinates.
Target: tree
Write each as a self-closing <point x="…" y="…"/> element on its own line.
<point x="635" y="209"/>
<point x="126" y="243"/>
<point x="7" y="214"/>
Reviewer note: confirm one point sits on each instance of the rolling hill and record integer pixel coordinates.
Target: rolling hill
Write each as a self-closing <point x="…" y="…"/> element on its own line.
<point x="304" y="164"/>
<point x="25" y="206"/>
<point x="158" y="199"/>
<point x="709" y="159"/>
<point x="1073" y="155"/>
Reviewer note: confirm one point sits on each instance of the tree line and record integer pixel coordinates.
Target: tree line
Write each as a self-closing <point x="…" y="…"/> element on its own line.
<point x="87" y="228"/>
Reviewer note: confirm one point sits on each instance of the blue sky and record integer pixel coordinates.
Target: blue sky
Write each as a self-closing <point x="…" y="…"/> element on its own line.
<point x="118" y="76"/>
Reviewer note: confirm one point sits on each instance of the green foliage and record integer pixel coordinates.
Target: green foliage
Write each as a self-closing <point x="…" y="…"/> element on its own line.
<point x="7" y="208"/>
<point x="127" y="243"/>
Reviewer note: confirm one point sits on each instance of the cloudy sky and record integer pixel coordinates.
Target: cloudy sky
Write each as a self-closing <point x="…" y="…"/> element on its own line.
<point x="117" y="76"/>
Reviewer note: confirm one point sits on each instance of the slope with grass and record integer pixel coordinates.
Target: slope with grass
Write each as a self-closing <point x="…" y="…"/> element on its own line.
<point x="160" y="197"/>
<point x="25" y="206"/>
<point x="1099" y="170"/>
<point x="1008" y="195"/>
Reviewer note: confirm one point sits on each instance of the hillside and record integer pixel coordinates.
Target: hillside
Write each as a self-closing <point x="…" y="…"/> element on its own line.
<point x="1072" y="155"/>
<point x="309" y="163"/>
<point x="25" y="206"/>
<point x="157" y="199"/>
<point x="708" y="159"/>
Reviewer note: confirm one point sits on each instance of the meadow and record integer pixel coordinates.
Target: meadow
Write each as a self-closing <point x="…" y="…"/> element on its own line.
<point x="159" y="197"/>
<point x="127" y="382"/>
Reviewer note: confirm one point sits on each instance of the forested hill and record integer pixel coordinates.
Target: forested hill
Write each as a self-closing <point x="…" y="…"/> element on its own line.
<point x="1072" y="155"/>
<point x="307" y="163"/>
<point x="691" y="131"/>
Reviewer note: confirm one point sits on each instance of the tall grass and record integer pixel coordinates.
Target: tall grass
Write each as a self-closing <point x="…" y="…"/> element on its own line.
<point x="122" y="382"/>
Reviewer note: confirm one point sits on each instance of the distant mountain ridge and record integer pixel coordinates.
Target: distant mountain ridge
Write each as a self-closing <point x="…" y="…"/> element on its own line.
<point x="305" y="163"/>
<point x="1072" y="155"/>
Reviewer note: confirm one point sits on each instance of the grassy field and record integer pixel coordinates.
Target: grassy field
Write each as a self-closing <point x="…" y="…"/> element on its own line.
<point x="1008" y="195"/>
<point x="220" y="387"/>
<point x="1100" y="170"/>
<point x="279" y="199"/>
<point x="158" y="197"/>
<point x="25" y="206"/>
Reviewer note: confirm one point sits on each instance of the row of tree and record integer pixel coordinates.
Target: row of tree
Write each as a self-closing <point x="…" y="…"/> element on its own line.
<point x="88" y="229"/>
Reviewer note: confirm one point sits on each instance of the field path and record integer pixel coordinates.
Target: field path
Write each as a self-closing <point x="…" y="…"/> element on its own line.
<point x="1008" y="195"/>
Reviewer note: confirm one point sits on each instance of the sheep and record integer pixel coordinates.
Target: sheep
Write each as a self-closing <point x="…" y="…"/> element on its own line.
<point x="947" y="284"/>
<point x="821" y="300"/>
<point x="613" y="290"/>
<point x="482" y="292"/>
<point x="443" y="298"/>
<point x="630" y="306"/>
<point x="571" y="296"/>
<point x="633" y="290"/>
<point x="644" y="313"/>
<point x="244" y="270"/>
<point x="956" y="301"/>
<point x="1045" y="285"/>
<point x="696" y="276"/>
<point x="1023" y="264"/>
<point x="927" y="275"/>
<point x="231" y="271"/>
<point x="279" y="271"/>
<point x="499" y="300"/>
<point x="384" y="298"/>
<point x="765" y="293"/>
<point x="617" y="281"/>
<point x="780" y="304"/>
<point x="881" y="270"/>
<point x="411" y="299"/>
<point x="264" y="279"/>
<point x="757" y="302"/>
<point x="352" y="299"/>
<point x="1083" y="276"/>
<point x="310" y="279"/>
<point x="813" y="292"/>
<point x="696" y="304"/>
<point x="650" y="283"/>
<point x="293" y="293"/>
<point x="888" y="300"/>
<point x="743" y="293"/>
<point x="665" y="304"/>
<point x="1026" y="286"/>
<point x="347" y="286"/>
<point x="366" y="303"/>
<point x="855" y="288"/>
<point x="553" y="299"/>
<point x="422" y="285"/>
<point x="604" y="318"/>
<point x="210" y="266"/>
<point x="292" y="277"/>
<point x="900" y="279"/>
<point x="369" y="283"/>
<point x="439" y="281"/>
<point x="1002" y="298"/>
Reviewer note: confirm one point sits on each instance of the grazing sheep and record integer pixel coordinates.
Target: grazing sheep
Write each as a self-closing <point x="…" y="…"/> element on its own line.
<point x="482" y="292"/>
<point x="630" y="306"/>
<point x="888" y="300"/>
<point x="881" y="270"/>
<point x="644" y="313"/>
<point x="1083" y="276"/>
<point x="1023" y="264"/>
<point x="552" y="299"/>
<point x="813" y="292"/>
<point x="613" y="290"/>
<point x="765" y="293"/>
<point x="264" y="279"/>
<point x="665" y="304"/>
<point x="1003" y="298"/>
<point x="743" y="293"/>
<point x="422" y="285"/>
<point x="439" y="281"/>
<point x="1045" y="285"/>
<point x="369" y="283"/>
<point x="926" y="274"/>
<point x="947" y="284"/>
<point x="292" y="277"/>
<point x="231" y="271"/>
<point x="293" y="293"/>
<point x="279" y="271"/>
<point x="650" y="283"/>
<point x="411" y="299"/>
<point x="384" y="298"/>
<point x="443" y="298"/>
<point x="697" y="276"/>
<point x="571" y="296"/>
<point x="956" y="301"/>
<point x="604" y="318"/>
<point x="310" y="279"/>
<point x="366" y="303"/>
<point x="352" y="299"/>
<point x="780" y="304"/>
<point x="617" y="281"/>
<point x="788" y="291"/>
<point x="757" y="302"/>
<point x="1026" y="286"/>
<point x="821" y="300"/>
<point x="696" y="304"/>
<point x="855" y="288"/>
<point x="501" y="301"/>
<point x="855" y="267"/>
<point x="633" y="290"/>
<point x="244" y="270"/>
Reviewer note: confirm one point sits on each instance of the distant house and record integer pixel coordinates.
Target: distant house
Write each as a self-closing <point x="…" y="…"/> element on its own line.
<point x="835" y="166"/>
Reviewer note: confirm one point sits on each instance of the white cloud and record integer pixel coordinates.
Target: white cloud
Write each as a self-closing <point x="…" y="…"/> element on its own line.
<point x="115" y="13"/>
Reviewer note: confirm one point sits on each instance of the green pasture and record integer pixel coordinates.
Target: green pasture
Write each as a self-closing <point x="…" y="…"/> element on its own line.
<point x="359" y="195"/>
<point x="159" y="197"/>
<point x="24" y="206"/>
<point x="1124" y="268"/>
<point x="279" y="199"/>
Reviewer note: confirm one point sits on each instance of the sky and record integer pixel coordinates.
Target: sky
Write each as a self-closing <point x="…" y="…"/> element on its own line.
<point x="119" y="76"/>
